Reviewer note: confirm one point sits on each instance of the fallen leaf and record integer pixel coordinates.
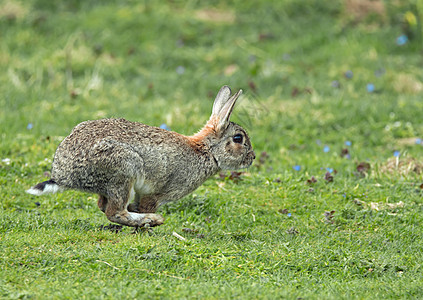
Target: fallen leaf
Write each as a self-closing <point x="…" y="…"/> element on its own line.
<point x="328" y="177"/>
<point x="283" y="211"/>
<point x="362" y="169"/>
<point x="311" y="180"/>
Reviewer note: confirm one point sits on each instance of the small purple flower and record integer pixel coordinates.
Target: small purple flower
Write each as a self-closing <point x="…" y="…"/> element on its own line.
<point x="180" y="70"/>
<point x="397" y="153"/>
<point x="348" y="74"/>
<point x="370" y="87"/>
<point x="326" y="149"/>
<point x="335" y="84"/>
<point x="297" y="168"/>
<point x="165" y="127"/>
<point x="29" y="126"/>
<point x="402" y="40"/>
<point x="348" y="143"/>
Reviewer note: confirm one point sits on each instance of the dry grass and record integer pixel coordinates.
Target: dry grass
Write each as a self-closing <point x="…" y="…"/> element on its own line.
<point x="402" y="166"/>
<point x="361" y="9"/>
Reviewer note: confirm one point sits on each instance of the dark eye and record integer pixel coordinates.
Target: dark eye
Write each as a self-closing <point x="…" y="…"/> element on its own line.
<point x="237" y="138"/>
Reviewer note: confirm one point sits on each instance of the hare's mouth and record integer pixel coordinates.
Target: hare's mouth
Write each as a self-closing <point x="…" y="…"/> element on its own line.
<point x="249" y="158"/>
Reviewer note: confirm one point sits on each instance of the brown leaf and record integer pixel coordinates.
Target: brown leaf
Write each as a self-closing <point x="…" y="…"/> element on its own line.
<point x="328" y="177"/>
<point x="283" y="211"/>
<point x="295" y="91"/>
<point x="362" y="169"/>
<point x="345" y="153"/>
<point x="311" y="180"/>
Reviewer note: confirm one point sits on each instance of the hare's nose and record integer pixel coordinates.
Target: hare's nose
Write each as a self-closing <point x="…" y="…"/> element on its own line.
<point x="254" y="155"/>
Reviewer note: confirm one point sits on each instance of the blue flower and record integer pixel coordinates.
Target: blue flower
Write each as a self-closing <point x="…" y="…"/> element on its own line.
<point x="348" y="143"/>
<point x="370" y="87"/>
<point x="326" y="149"/>
<point x="418" y="141"/>
<point x="297" y="168"/>
<point x="397" y="153"/>
<point x="348" y="74"/>
<point x="288" y="214"/>
<point x="402" y="40"/>
<point x="164" y="126"/>
<point x="29" y="126"/>
<point x="330" y="170"/>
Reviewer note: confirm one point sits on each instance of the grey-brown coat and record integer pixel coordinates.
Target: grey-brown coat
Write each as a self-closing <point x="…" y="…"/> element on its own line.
<point x="122" y="160"/>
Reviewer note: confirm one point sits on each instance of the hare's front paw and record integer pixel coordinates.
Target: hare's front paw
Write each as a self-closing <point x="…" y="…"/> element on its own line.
<point x="153" y="219"/>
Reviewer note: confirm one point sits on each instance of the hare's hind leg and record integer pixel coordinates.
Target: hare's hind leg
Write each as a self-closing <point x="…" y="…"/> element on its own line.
<point x="102" y="203"/>
<point x="144" y="204"/>
<point x="119" y="166"/>
<point x="116" y="212"/>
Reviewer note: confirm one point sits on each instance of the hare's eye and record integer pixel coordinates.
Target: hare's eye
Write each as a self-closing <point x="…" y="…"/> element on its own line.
<point x="237" y="138"/>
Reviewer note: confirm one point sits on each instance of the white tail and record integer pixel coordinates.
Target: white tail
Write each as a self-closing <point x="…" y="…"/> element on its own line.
<point x="45" y="187"/>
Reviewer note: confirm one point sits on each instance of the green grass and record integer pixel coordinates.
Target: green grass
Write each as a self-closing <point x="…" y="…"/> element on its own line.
<point x="268" y="235"/>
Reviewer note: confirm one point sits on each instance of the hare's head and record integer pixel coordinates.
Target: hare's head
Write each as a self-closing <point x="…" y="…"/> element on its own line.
<point x="228" y="142"/>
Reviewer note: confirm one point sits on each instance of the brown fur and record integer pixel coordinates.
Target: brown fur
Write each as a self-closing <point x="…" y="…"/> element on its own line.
<point x="198" y="140"/>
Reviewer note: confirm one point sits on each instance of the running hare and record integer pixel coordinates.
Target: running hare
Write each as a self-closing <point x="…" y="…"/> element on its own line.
<point x="122" y="161"/>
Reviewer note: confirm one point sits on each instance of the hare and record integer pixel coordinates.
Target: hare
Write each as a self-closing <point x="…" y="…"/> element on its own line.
<point x="121" y="161"/>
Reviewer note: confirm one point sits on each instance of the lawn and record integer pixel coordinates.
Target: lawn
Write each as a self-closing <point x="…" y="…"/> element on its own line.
<point x="332" y="206"/>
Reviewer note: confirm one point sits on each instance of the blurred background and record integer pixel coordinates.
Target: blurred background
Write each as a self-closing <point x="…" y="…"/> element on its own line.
<point x="314" y="73"/>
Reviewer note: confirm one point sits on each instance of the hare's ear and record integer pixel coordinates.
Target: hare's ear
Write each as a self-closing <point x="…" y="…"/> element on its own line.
<point x="223" y="106"/>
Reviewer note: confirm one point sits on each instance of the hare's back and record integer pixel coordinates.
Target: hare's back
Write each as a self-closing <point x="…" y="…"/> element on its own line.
<point x="89" y="135"/>
<point x="117" y="129"/>
<point x="110" y="147"/>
